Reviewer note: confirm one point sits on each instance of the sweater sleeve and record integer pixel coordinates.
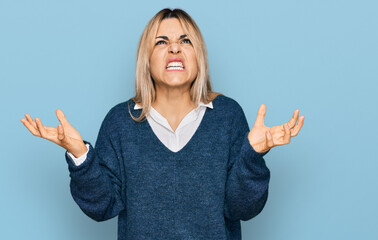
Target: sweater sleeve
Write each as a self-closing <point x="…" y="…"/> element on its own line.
<point x="248" y="176"/>
<point x="96" y="183"/>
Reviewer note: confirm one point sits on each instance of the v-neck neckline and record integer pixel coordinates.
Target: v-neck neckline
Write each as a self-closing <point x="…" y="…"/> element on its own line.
<point x="166" y="124"/>
<point x="188" y="144"/>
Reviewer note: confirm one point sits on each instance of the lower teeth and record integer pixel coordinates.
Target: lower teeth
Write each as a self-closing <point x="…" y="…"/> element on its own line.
<point x="175" y="68"/>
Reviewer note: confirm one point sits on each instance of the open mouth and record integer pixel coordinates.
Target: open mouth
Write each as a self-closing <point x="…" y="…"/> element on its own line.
<point x="175" y="66"/>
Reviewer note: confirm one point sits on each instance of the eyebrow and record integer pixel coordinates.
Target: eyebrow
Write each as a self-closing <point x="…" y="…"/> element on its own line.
<point x="166" y="38"/>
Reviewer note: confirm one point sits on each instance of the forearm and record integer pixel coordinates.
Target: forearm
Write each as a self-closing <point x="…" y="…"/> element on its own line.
<point x="96" y="193"/>
<point x="247" y="185"/>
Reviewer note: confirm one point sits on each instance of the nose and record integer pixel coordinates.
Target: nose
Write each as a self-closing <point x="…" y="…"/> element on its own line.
<point x="174" y="48"/>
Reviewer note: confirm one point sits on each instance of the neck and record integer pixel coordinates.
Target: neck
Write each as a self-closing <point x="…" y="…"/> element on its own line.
<point x="173" y="103"/>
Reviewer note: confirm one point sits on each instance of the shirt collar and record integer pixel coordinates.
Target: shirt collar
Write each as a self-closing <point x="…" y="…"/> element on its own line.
<point x="209" y="105"/>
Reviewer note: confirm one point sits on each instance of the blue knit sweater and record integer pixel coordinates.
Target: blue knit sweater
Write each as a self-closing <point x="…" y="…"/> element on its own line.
<point x="199" y="192"/>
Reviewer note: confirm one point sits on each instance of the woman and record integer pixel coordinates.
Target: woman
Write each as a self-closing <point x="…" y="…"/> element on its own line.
<point x="193" y="170"/>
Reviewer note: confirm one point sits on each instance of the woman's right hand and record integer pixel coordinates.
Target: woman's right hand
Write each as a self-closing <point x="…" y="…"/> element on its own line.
<point x="65" y="135"/>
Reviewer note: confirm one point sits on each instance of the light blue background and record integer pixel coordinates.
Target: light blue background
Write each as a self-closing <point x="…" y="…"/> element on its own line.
<point x="79" y="56"/>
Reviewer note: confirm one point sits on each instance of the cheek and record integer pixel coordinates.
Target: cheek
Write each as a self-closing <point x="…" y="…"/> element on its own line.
<point x="193" y="60"/>
<point x="155" y="63"/>
<point x="194" y="64"/>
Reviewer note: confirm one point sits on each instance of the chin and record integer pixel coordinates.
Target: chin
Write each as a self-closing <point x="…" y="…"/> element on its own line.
<point x="177" y="83"/>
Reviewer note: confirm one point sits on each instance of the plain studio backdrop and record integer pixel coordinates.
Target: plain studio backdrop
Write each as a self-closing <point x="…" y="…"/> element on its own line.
<point x="79" y="56"/>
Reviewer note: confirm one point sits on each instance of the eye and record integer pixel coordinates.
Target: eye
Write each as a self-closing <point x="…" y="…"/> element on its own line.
<point x="186" y="40"/>
<point x="160" y="42"/>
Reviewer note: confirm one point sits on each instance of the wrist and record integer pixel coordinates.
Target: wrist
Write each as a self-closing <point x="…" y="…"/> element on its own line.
<point x="258" y="147"/>
<point x="80" y="152"/>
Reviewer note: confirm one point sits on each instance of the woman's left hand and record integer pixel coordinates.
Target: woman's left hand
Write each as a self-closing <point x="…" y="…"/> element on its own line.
<point x="263" y="138"/>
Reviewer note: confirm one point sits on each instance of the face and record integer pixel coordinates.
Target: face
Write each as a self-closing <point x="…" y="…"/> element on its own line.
<point x="173" y="61"/>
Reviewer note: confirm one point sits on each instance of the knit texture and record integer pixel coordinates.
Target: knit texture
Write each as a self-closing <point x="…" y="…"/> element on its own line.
<point x="199" y="192"/>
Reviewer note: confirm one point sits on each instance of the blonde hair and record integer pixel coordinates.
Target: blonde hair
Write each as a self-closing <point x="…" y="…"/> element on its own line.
<point x="145" y="92"/>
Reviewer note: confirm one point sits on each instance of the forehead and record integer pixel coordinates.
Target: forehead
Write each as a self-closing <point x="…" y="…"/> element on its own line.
<point x="170" y="27"/>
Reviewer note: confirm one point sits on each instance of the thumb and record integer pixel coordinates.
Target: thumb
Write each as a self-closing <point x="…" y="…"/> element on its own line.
<point x="260" y="116"/>
<point x="60" y="132"/>
<point x="269" y="139"/>
<point x="62" y="118"/>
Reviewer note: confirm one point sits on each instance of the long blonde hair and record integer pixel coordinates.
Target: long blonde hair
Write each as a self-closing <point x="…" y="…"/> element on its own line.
<point x="145" y="92"/>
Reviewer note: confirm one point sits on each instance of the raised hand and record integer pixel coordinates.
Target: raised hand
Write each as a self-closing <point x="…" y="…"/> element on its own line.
<point x="263" y="138"/>
<point x="65" y="135"/>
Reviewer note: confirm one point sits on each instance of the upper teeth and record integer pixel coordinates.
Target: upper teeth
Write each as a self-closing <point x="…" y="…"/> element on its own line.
<point x="175" y="64"/>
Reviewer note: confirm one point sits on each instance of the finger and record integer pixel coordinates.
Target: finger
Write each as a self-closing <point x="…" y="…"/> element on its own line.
<point x="295" y="130"/>
<point x="31" y="128"/>
<point x="62" y="118"/>
<point x="260" y="116"/>
<point x="269" y="139"/>
<point x="294" y="119"/>
<point x="30" y="120"/>
<point x="287" y="136"/>
<point x="60" y="133"/>
<point x="41" y="128"/>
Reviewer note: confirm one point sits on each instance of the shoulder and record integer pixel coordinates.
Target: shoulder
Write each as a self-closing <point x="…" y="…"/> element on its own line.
<point x="225" y="104"/>
<point x="228" y="113"/>
<point x="122" y="107"/>
<point x="119" y="113"/>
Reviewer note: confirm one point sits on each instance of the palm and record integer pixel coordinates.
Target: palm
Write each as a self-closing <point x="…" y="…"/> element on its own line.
<point x="70" y="132"/>
<point x="257" y="138"/>
<point x="279" y="135"/>
<point x="72" y="138"/>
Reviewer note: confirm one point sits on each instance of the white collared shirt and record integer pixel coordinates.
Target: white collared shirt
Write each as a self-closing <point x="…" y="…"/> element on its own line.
<point x="173" y="140"/>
